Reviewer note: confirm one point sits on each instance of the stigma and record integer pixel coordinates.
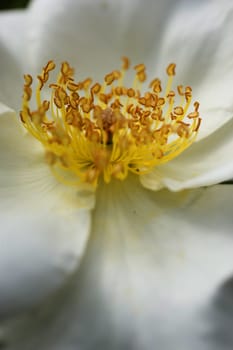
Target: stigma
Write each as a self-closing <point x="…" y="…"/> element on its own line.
<point x="91" y="130"/>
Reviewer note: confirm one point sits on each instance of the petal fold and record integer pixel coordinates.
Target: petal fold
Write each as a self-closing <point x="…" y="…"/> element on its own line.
<point x="11" y="78"/>
<point x="14" y="52"/>
<point x="13" y="32"/>
<point x="198" y="37"/>
<point x="93" y="35"/>
<point x="153" y="262"/>
<point x="43" y="226"/>
<point x="205" y="163"/>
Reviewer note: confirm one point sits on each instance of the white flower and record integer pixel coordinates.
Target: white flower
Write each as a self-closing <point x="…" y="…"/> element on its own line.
<point x="121" y="267"/>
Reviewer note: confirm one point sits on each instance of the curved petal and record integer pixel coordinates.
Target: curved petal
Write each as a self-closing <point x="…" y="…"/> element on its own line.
<point x="11" y="86"/>
<point x="24" y="172"/>
<point x="38" y="252"/>
<point x="43" y="228"/>
<point x="94" y="34"/>
<point x="207" y="162"/>
<point x="221" y="320"/>
<point x="14" y="47"/>
<point x="198" y="37"/>
<point x="153" y="262"/>
<point x="13" y="33"/>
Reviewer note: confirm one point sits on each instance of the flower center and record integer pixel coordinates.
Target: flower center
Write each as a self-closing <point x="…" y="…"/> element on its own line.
<point x="90" y="130"/>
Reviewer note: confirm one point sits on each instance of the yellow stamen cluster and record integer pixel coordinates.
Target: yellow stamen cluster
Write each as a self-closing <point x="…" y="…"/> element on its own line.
<point x="91" y="129"/>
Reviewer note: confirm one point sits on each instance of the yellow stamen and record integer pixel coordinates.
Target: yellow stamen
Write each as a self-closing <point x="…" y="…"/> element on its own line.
<point x="92" y="130"/>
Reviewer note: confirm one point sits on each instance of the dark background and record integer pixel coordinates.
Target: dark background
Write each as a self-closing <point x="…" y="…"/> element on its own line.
<point x="11" y="4"/>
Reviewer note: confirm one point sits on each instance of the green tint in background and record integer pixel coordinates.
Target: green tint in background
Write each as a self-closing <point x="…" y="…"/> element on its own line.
<point x="11" y="4"/>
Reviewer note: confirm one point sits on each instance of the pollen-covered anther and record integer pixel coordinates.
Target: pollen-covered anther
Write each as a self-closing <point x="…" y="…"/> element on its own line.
<point x="179" y="110"/>
<point x="91" y="130"/>
<point x="171" y="69"/>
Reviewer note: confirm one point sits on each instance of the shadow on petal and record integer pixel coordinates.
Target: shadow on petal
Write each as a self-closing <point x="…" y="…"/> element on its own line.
<point x="11" y="79"/>
<point x="219" y="317"/>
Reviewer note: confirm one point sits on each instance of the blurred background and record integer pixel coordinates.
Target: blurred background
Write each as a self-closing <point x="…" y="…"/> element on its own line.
<point x="11" y="4"/>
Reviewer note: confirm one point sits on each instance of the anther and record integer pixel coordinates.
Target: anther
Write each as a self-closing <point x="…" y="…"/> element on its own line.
<point x="92" y="130"/>
<point x="171" y="69"/>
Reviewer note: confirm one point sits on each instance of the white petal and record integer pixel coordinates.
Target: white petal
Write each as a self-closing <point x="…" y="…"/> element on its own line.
<point x="198" y="37"/>
<point x="43" y="230"/>
<point x="221" y="333"/>
<point x="11" y="86"/>
<point x="24" y="172"/>
<point x="153" y="262"/>
<point x="15" y="60"/>
<point x="38" y="252"/>
<point x="94" y="34"/>
<point x="207" y="162"/>
<point x="13" y="33"/>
